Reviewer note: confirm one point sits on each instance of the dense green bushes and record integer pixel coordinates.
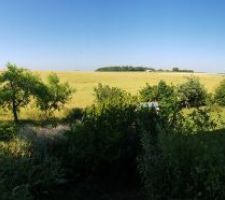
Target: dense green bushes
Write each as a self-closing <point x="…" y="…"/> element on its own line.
<point x="75" y="114"/>
<point x="26" y="170"/>
<point x="185" y="167"/>
<point x="116" y="132"/>
<point x="118" y="142"/>
<point x="220" y="94"/>
<point x="7" y="131"/>
<point x="105" y="143"/>
<point x="193" y="93"/>
<point x="159" y="92"/>
<point x="177" y="162"/>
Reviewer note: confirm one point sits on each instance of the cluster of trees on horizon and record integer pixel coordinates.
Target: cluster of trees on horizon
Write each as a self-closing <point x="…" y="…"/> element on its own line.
<point x="128" y="68"/>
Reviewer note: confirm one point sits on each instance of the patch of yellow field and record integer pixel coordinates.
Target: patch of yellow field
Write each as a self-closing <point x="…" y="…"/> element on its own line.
<point x="84" y="83"/>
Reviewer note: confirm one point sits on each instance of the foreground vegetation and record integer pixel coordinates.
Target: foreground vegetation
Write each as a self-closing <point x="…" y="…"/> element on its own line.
<point x="119" y="148"/>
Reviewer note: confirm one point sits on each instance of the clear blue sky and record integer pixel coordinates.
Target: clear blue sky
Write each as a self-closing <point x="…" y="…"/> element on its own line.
<point x="86" y="34"/>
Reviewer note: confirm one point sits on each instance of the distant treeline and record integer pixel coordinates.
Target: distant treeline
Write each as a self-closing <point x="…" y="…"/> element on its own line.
<point x="123" y="68"/>
<point x="176" y="69"/>
<point x="139" y="69"/>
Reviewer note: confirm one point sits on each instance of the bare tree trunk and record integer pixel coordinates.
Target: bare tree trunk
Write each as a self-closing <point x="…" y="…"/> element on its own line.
<point x="14" y="106"/>
<point x="14" y="110"/>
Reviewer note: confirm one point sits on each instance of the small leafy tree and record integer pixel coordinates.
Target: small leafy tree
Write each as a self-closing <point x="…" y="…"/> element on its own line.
<point x="17" y="86"/>
<point x="166" y="95"/>
<point x="192" y="93"/>
<point x="53" y="95"/>
<point x="105" y="94"/>
<point x="220" y="93"/>
<point x="158" y="92"/>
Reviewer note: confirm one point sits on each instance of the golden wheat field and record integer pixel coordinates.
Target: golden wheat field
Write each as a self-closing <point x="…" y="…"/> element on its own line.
<point x="84" y="82"/>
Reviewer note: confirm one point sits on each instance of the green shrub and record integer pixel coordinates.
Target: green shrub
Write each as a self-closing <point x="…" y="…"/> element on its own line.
<point x="169" y="105"/>
<point x="105" y="94"/>
<point x="7" y="131"/>
<point x="183" y="162"/>
<point x="199" y="120"/>
<point x="158" y="92"/>
<point x="26" y="172"/>
<point x="74" y="115"/>
<point x="192" y="93"/>
<point x="220" y="93"/>
<point x="193" y="166"/>
<point x="106" y="141"/>
<point x="53" y="96"/>
<point x="184" y="167"/>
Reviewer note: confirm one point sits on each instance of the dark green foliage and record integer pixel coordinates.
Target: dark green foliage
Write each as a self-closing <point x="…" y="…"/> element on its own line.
<point x="109" y="139"/>
<point x="192" y="93"/>
<point x="106" y="142"/>
<point x="105" y="94"/>
<point x="166" y="96"/>
<point x="54" y="95"/>
<point x="173" y="161"/>
<point x="139" y="69"/>
<point x="176" y="69"/>
<point x="7" y="131"/>
<point x="220" y="94"/>
<point x="74" y="115"/>
<point x="123" y="69"/>
<point x="159" y="174"/>
<point x="103" y="142"/>
<point x="150" y="165"/>
<point x="199" y="120"/>
<point x="27" y="172"/>
<point x="185" y="167"/>
<point x="17" y="86"/>
<point x="159" y="92"/>
<point x="115" y="143"/>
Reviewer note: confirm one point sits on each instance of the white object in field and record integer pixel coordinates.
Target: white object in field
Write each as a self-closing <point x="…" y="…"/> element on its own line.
<point x="152" y="104"/>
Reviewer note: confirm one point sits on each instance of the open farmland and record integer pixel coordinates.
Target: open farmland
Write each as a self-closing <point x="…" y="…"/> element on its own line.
<point x="84" y="83"/>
